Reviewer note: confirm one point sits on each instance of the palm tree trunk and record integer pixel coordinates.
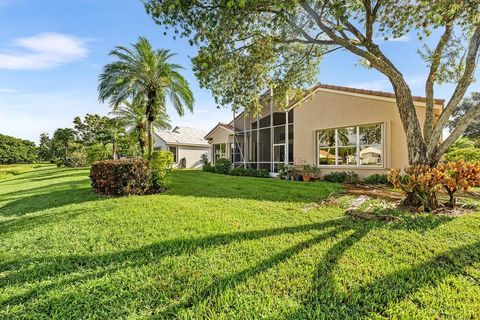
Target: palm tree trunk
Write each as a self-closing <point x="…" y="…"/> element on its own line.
<point x="150" y="139"/>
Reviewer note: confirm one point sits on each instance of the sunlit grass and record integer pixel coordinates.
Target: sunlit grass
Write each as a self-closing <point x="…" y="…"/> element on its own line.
<point x="226" y="247"/>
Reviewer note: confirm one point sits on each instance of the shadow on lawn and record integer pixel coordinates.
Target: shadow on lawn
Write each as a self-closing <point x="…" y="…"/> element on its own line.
<point x="323" y="299"/>
<point x="46" y="197"/>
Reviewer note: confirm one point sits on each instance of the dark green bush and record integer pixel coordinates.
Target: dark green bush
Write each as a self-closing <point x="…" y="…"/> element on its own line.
<point x="121" y="177"/>
<point x="207" y="167"/>
<point x="161" y="166"/>
<point x="341" y="177"/>
<point x="222" y="165"/>
<point x="377" y="179"/>
<point x="260" y="173"/>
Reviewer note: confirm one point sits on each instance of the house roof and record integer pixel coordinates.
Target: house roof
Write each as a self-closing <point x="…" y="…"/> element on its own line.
<point x="183" y="136"/>
<point x="312" y="90"/>
<point x="227" y="126"/>
<point x="370" y="92"/>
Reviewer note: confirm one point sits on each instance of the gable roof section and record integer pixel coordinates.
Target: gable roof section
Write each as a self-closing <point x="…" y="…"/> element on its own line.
<point x="183" y="136"/>
<point x="227" y="126"/>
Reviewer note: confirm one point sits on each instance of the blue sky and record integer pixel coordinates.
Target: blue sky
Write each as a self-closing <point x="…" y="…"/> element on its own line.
<point x="51" y="53"/>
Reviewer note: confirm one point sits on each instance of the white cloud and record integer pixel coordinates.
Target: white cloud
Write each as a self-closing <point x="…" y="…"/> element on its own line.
<point x="6" y="90"/>
<point x="41" y="51"/>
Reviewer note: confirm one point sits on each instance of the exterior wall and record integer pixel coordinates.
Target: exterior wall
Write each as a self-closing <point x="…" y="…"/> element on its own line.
<point x="326" y="110"/>
<point x="159" y="143"/>
<point x="192" y="155"/>
<point x="221" y="135"/>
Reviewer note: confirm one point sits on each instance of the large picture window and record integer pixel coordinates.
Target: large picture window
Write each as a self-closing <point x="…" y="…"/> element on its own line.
<point x="351" y="146"/>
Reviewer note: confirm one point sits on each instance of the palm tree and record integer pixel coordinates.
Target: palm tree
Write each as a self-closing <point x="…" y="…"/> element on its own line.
<point x="64" y="137"/>
<point x="141" y="72"/>
<point x="133" y="115"/>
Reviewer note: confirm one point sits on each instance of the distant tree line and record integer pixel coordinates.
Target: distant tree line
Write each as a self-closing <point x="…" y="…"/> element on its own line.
<point x="91" y="139"/>
<point x="14" y="150"/>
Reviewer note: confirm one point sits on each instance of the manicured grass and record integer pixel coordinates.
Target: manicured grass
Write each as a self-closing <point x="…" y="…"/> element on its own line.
<point x="224" y="247"/>
<point x="10" y="170"/>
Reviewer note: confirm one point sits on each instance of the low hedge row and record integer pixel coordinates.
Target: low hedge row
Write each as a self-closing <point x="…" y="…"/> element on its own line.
<point x="121" y="177"/>
<point x="223" y="166"/>
<point x="260" y="173"/>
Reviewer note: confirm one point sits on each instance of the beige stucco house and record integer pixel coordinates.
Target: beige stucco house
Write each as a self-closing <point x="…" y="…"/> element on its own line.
<point x="188" y="145"/>
<point x="334" y="128"/>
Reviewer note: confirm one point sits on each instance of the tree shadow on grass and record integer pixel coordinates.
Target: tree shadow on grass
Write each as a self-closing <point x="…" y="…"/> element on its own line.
<point x="373" y="299"/>
<point x="20" y="272"/>
<point x="39" y="173"/>
<point x="48" y="197"/>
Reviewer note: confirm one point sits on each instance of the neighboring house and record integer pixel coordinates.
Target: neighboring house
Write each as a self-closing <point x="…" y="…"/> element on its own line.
<point x="332" y="127"/>
<point x="187" y="145"/>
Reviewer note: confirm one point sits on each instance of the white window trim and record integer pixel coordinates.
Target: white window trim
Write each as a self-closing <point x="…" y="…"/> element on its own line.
<point x="176" y="153"/>
<point x="358" y="165"/>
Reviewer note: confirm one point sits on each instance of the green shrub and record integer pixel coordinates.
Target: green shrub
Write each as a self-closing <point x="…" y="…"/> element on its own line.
<point x="463" y="143"/>
<point x="222" y="165"/>
<point x="207" y="167"/>
<point x="161" y="166"/>
<point x="121" y="177"/>
<point x="467" y="154"/>
<point x="342" y="176"/>
<point x="377" y="179"/>
<point x="260" y="173"/>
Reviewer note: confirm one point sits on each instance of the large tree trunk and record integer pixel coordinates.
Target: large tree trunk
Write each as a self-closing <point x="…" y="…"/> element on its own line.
<point x="416" y="146"/>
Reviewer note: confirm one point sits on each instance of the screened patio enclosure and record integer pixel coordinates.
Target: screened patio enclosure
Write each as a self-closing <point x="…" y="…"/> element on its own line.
<point x="263" y="142"/>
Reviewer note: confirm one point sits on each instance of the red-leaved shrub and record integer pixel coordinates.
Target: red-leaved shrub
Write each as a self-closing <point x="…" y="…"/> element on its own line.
<point x="121" y="177"/>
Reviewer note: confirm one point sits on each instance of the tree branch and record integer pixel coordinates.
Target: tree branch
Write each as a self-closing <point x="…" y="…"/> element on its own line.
<point x="432" y="75"/>
<point x="461" y="88"/>
<point x="460" y="128"/>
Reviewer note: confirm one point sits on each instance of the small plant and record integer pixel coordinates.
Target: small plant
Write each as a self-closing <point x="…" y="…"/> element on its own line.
<point x="161" y="166"/>
<point x="455" y="176"/>
<point x="222" y="165"/>
<point x="377" y="179"/>
<point x="420" y="184"/>
<point x="282" y="170"/>
<point x="341" y="177"/>
<point x="121" y="177"/>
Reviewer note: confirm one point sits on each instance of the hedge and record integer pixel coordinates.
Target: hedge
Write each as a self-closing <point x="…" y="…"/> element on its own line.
<point x="121" y="177"/>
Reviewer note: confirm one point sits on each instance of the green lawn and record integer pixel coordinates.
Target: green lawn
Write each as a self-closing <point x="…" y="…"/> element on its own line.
<point x="224" y="247"/>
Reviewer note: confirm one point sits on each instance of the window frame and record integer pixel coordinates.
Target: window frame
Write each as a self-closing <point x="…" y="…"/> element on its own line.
<point x="358" y="146"/>
<point x="225" y="153"/>
<point x="175" y="154"/>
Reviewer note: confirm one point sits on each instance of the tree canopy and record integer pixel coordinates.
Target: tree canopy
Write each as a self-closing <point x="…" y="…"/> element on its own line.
<point x="14" y="150"/>
<point x="141" y="72"/>
<point x="245" y="47"/>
